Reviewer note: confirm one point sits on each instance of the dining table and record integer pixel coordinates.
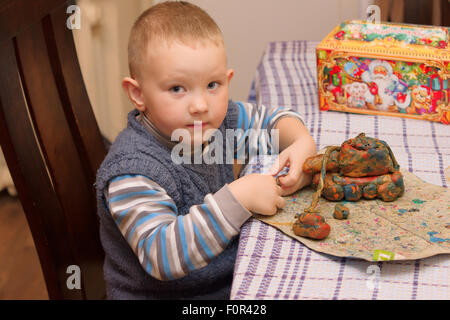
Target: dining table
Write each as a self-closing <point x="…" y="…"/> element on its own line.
<point x="270" y="264"/>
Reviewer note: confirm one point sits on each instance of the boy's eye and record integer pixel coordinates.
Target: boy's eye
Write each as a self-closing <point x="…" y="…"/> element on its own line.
<point x="213" y="85"/>
<point x="176" y="89"/>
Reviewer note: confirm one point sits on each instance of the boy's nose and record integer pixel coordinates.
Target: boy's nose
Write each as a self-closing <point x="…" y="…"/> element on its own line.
<point x="198" y="105"/>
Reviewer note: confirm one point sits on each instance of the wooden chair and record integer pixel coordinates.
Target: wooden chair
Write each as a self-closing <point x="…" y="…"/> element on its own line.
<point x="52" y="143"/>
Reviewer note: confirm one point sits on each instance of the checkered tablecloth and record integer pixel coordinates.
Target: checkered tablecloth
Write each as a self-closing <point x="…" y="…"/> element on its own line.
<point x="271" y="265"/>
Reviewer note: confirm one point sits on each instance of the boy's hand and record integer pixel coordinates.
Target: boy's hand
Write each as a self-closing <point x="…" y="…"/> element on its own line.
<point x="259" y="193"/>
<point x="293" y="157"/>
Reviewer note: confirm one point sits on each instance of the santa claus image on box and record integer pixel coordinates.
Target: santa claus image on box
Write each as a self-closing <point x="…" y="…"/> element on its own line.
<point x="387" y="93"/>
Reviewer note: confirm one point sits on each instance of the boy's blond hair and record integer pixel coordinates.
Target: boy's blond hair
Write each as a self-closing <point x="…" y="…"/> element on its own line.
<point x="169" y="21"/>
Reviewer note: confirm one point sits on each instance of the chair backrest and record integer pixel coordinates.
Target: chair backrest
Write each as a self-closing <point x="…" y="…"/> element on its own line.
<point x="52" y="143"/>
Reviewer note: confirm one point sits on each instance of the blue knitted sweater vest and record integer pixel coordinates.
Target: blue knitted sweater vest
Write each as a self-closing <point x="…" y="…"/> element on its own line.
<point x="137" y="151"/>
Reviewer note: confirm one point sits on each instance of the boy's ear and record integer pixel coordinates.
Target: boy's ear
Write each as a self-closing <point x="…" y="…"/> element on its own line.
<point x="134" y="92"/>
<point x="230" y="74"/>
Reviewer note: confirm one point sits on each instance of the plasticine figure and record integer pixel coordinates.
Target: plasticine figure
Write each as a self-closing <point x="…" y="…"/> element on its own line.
<point x="361" y="167"/>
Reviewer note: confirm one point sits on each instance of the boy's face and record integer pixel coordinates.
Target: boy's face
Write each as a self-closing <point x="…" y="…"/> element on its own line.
<point x="181" y="84"/>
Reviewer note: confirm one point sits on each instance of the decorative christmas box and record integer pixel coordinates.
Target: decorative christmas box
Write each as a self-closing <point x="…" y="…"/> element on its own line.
<point x="386" y="69"/>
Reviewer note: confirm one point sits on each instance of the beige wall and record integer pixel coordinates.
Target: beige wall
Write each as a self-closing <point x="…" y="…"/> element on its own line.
<point x="102" y="51"/>
<point x="248" y="25"/>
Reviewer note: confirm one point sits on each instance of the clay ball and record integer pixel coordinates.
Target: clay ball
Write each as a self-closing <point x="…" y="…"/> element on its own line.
<point x="341" y="212"/>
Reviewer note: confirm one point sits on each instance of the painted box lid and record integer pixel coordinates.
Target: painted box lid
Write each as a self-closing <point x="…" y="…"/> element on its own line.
<point x="409" y="42"/>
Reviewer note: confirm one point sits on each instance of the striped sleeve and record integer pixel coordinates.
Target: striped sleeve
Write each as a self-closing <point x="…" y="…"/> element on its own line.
<point x="169" y="245"/>
<point x="255" y="124"/>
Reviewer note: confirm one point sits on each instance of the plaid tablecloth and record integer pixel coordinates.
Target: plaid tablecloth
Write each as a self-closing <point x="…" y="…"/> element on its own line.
<point x="271" y="265"/>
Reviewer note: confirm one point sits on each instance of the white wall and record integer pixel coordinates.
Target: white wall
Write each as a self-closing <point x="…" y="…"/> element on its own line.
<point x="248" y="25"/>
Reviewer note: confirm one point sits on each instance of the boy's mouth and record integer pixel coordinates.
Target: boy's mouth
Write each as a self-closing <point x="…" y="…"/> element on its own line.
<point x="198" y="124"/>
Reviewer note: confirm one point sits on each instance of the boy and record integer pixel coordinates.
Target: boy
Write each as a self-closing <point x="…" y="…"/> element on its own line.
<point x="169" y="230"/>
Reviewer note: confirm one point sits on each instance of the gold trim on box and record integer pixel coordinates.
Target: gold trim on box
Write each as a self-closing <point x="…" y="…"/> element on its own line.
<point x="388" y="50"/>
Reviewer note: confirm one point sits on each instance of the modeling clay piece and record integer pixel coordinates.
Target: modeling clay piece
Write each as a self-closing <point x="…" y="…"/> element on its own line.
<point x="362" y="167"/>
<point x="387" y="187"/>
<point x="311" y="225"/>
<point x="341" y="212"/>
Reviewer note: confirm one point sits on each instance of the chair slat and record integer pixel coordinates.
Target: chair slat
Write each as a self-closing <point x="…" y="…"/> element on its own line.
<point x="62" y="157"/>
<point x="39" y="200"/>
<point x="18" y="15"/>
<point x="51" y="142"/>
<point x="79" y="111"/>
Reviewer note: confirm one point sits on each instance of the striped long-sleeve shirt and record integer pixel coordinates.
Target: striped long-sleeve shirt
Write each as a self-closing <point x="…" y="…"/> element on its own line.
<point x="169" y="245"/>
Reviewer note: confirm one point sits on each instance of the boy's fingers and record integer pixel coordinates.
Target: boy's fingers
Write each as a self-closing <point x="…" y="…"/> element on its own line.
<point x="290" y="179"/>
<point x="279" y="190"/>
<point x="279" y="164"/>
<point x="277" y="181"/>
<point x="280" y="202"/>
<point x="288" y="191"/>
